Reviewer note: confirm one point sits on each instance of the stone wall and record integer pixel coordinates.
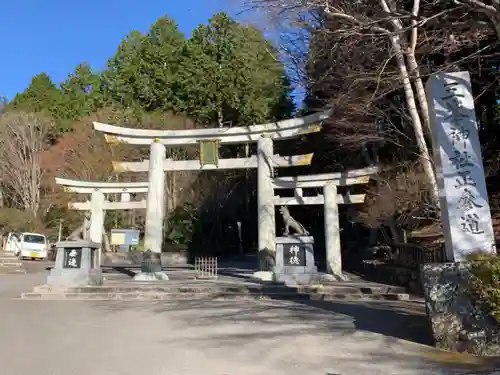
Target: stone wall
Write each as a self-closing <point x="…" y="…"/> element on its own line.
<point x="457" y="323"/>
<point x="135" y="258"/>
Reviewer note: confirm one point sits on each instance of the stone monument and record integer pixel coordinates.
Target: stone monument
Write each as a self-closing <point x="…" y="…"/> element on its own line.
<point x="456" y="322"/>
<point x="76" y="264"/>
<point x="464" y="202"/>
<point x="294" y="263"/>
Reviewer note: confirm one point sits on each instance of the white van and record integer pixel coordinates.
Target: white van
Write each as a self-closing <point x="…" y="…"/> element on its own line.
<point x="28" y="245"/>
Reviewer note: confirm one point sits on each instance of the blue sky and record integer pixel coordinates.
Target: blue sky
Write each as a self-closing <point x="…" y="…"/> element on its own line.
<point x="54" y="36"/>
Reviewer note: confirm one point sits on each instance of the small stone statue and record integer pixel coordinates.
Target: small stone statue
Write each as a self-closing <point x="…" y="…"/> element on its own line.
<point x="290" y="222"/>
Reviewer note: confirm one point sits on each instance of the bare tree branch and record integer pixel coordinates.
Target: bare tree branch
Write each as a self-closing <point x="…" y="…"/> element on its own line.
<point x="22" y="141"/>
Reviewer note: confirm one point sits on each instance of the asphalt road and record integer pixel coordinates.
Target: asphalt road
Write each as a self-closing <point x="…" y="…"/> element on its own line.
<point x="36" y="266"/>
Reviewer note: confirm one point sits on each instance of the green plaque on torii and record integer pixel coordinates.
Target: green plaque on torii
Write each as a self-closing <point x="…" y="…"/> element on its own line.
<point x="209" y="152"/>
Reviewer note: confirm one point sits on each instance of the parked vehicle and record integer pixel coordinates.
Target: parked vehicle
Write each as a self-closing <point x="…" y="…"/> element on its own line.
<point x="28" y="245"/>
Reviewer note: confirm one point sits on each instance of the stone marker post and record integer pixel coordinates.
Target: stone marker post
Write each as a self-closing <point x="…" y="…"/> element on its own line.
<point x="265" y="200"/>
<point x="464" y="202"/>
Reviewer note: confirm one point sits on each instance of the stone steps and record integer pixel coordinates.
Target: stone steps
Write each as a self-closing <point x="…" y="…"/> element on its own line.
<point x="12" y="271"/>
<point x="152" y="296"/>
<point x="10" y="264"/>
<point x="214" y="291"/>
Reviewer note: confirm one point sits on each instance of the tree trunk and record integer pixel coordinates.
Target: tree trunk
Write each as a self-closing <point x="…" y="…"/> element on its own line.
<point x="421" y="94"/>
<point x="424" y="155"/>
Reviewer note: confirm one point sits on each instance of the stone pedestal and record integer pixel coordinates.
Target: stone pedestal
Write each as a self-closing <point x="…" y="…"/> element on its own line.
<point x="77" y="263"/>
<point x="295" y="260"/>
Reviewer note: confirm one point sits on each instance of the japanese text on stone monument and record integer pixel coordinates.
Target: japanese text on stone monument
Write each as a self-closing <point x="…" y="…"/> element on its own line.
<point x="463" y="198"/>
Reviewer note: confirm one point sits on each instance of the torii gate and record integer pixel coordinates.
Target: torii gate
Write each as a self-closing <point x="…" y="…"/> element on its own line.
<point x="97" y="204"/>
<point x="330" y="201"/>
<point x="209" y="140"/>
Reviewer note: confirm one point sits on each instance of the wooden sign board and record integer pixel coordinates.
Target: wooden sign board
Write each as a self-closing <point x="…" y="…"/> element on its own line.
<point x="209" y="152"/>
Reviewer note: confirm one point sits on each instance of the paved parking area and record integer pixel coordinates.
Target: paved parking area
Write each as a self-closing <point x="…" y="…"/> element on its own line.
<point x="204" y="337"/>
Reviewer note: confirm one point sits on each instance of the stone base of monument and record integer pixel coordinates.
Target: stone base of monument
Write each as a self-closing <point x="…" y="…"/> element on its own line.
<point x="457" y="323"/>
<point x="267" y="276"/>
<point x="334" y="277"/>
<point x="295" y="261"/>
<point x="151" y="276"/>
<point x="76" y="264"/>
<point x="151" y="268"/>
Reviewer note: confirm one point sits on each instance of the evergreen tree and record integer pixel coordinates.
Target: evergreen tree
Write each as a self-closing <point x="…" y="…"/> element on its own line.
<point x="230" y="75"/>
<point x="42" y="95"/>
<point x="82" y="92"/>
<point x="143" y="70"/>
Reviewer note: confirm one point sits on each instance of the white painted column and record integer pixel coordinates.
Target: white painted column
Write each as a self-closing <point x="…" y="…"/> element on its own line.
<point x="332" y="230"/>
<point x="96" y="220"/>
<point x="155" y="202"/>
<point x="265" y="196"/>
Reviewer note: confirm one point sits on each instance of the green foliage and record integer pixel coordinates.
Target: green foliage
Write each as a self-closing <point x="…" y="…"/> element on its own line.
<point x="484" y="282"/>
<point x="115" y="219"/>
<point x="42" y="95"/>
<point x="230" y="73"/>
<point x="181" y="224"/>
<point x="82" y="93"/>
<point x="143" y="71"/>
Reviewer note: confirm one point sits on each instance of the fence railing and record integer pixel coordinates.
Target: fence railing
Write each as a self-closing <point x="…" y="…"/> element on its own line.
<point x="206" y="267"/>
<point x="412" y="255"/>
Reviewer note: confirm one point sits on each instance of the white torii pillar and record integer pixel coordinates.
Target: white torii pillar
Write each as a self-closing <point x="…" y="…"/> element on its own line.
<point x="332" y="230"/>
<point x="155" y="212"/>
<point x="265" y="200"/>
<point x="97" y="220"/>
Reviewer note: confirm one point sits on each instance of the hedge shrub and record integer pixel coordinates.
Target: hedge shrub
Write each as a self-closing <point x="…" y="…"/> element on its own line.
<point x="484" y="282"/>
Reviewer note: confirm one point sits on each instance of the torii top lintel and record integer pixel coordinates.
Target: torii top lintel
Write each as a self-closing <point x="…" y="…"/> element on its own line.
<point x="87" y="187"/>
<point x="276" y="130"/>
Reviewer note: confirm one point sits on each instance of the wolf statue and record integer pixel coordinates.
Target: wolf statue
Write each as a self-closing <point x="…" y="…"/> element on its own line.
<point x="290" y="222"/>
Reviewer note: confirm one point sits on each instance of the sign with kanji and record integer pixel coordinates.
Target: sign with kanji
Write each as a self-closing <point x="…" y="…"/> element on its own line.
<point x="294" y="255"/>
<point x="72" y="258"/>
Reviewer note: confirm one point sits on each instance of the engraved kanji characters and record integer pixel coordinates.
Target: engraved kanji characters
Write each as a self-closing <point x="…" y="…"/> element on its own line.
<point x="294" y="255"/>
<point x="461" y="159"/>
<point x="459" y="134"/>
<point x="467" y="201"/>
<point x="72" y="259"/>
<point x="471" y="223"/>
